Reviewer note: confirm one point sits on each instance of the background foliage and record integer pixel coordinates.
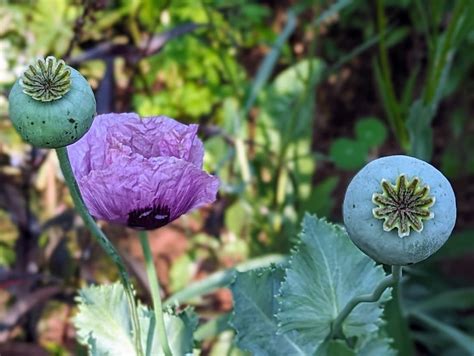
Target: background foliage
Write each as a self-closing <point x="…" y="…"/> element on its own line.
<point x="292" y="97"/>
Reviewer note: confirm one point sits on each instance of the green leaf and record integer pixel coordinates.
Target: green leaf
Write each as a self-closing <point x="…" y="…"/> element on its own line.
<point x="287" y="107"/>
<point x="335" y="348"/>
<point x="54" y="29"/>
<point x="389" y="101"/>
<point x="375" y="345"/>
<point x="424" y="110"/>
<point x="368" y="345"/>
<point x="104" y="325"/>
<point x="179" y="329"/>
<point x="103" y="321"/>
<point x="325" y="273"/>
<point x="396" y="36"/>
<point x="254" y="315"/>
<point x="420" y="130"/>
<point x="291" y="100"/>
<point x="348" y="154"/>
<point x="224" y="345"/>
<point x="371" y="132"/>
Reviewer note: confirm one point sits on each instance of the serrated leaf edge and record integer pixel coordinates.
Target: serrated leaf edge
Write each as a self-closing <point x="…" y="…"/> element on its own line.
<point x="379" y="322"/>
<point x="258" y="272"/>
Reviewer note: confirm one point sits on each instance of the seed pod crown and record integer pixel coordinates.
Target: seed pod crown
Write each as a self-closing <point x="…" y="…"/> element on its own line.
<point x="52" y="105"/>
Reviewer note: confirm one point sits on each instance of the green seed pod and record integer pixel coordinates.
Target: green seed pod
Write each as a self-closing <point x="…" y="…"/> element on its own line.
<point x="52" y="105"/>
<point x="399" y="210"/>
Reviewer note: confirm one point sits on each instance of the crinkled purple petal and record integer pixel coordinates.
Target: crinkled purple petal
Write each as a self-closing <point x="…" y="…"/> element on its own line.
<point x="142" y="173"/>
<point x="146" y="193"/>
<point x="128" y="133"/>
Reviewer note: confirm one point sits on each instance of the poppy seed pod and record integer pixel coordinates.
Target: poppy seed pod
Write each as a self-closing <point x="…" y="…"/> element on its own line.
<point x="399" y="210"/>
<point x="51" y="105"/>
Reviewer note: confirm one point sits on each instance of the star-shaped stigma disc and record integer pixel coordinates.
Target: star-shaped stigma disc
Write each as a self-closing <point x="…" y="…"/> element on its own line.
<point x="404" y="205"/>
<point x="48" y="80"/>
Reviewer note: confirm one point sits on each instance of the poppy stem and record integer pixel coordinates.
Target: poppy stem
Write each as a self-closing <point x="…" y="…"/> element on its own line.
<point x="155" y="293"/>
<point x="388" y="281"/>
<point x="103" y="241"/>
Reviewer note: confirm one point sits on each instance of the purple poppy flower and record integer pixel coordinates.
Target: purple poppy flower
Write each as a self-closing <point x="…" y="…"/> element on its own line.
<point x="142" y="173"/>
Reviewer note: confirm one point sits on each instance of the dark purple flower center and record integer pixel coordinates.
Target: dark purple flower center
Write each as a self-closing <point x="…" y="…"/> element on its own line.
<point x="149" y="218"/>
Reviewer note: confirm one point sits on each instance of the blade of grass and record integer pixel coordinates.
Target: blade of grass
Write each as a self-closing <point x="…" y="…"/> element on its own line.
<point x="408" y="90"/>
<point x="268" y="63"/>
<point x="266" y="67"/>
<point x="390" y="103"/>
<point x="460" y="338"/>
<point x="459" y="299"/>
<point x="333" y="9"/>
<point x="423" y="111"/>
<point x="384" y="78"/>
<point x="425" y="24"/>
<point x="442" y="56"/>
<point x="355" y="52"/>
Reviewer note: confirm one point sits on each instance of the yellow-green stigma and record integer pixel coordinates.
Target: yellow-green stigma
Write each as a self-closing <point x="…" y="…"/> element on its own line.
<point x="404" y="205"/>
<point x="49" y="79"/>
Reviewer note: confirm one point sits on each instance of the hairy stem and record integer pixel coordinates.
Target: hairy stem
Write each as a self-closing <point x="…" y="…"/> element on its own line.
<point x="365" y="298"/>
<point x="103" y="241"/>
<point x="155" y="293"/>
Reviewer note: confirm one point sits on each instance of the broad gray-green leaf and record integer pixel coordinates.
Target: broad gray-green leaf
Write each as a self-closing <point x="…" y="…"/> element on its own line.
<point x="103" y="321"/>
<point x="103" y="324"/>
<point x="368" y="345"/>
<point x="179" y="329"/>
<point x="325" y="273"/>
<point x="254" y="315"/>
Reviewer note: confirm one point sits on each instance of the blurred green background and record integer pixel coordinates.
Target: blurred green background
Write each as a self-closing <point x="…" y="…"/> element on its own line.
<point x="292" y="98"/>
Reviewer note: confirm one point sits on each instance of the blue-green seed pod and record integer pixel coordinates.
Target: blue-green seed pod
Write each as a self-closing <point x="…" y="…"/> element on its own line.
<point x="399" y="210"/>
<point x="52" y="105"/>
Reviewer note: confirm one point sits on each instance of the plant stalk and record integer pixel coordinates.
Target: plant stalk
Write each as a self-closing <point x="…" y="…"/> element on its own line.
<point x="365" y="298"/>
<point x="155" y="293"/>
<point x="220" y="279"/>
<point x="104" y="242"/>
